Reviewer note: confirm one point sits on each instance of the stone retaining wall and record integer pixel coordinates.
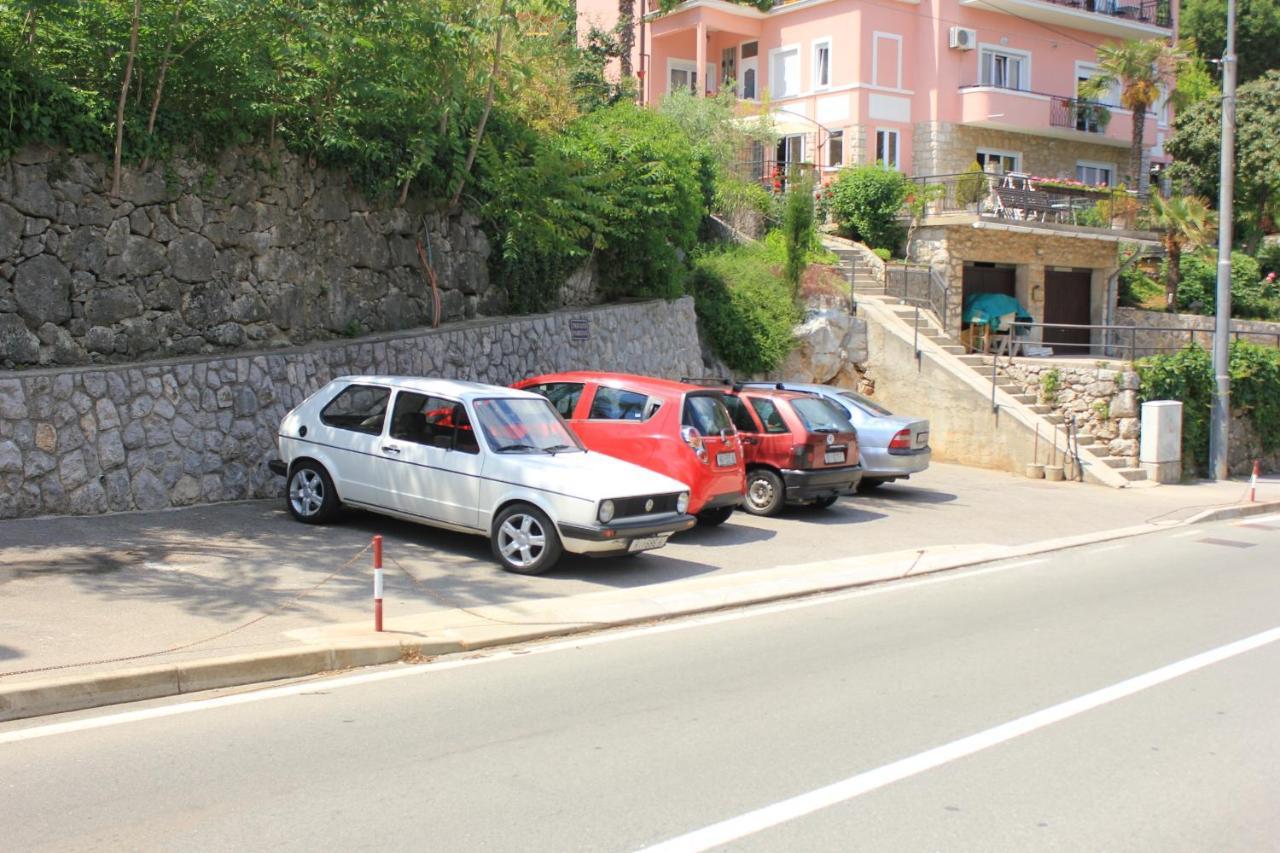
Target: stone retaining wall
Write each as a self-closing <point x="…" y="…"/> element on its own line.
<point x="1103" y="401"/>
<point x="198" y="430"/>
<point x="1161" y="332"/>
<point x="260" y="249"/>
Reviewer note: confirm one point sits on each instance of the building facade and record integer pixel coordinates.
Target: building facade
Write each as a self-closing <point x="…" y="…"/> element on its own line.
<point x="930" y="87"/>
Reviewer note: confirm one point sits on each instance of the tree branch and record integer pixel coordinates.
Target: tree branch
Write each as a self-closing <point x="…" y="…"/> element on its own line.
<point x="488" y="107"/>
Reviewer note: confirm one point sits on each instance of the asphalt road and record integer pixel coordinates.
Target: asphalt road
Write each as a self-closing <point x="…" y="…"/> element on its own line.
<point x="1088" y="700"/>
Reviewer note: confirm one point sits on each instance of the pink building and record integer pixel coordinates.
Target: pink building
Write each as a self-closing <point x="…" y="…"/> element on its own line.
<point x="929" y="87"/>
<point x="925" y="86"/>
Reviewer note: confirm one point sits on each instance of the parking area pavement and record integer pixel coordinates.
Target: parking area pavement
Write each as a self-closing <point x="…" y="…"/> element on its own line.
<point x="102" y="588"/>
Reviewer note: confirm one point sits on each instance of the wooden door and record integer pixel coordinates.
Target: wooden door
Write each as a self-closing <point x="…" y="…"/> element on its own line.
<point x="989" y="280"/>
<point x="1067" y="300"/>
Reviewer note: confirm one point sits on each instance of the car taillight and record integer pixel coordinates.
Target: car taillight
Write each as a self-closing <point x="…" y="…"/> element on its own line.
<point x="693" y="438"/>
<point x="800" y="452"/>
<point x="901" y="441"/>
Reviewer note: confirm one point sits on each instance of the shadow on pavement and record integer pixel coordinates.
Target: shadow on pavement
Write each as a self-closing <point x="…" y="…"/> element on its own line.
<point x="10" y="653"/>
<point x="902" y="493"/>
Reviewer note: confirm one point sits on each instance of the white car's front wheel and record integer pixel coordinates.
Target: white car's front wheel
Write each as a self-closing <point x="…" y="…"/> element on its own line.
<point x="312" y="498"/>
<point x="525" y="541"/>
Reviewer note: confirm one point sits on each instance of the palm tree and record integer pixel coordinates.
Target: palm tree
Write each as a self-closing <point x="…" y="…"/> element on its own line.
<point x="1184" y="222"/>
<point x="1142" y="68"/>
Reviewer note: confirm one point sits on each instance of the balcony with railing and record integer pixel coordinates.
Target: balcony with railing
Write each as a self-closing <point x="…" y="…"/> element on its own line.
<point x="1026" y="201"/>
<point x="1042" y="114"/>
<point x="1115" y="18"/>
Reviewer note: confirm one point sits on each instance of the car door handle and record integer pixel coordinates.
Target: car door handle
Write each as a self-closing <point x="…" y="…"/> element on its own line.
<point x="746" y="439"/>
<point x="390" y="448"/>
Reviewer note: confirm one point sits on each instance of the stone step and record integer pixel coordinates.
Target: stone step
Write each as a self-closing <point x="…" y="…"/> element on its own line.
<point x="1086" y="438"/>
<point x="1117" y="462"/>
<point x="1026" y="399"/>
<point x="1055" y="419"/>
<point x="1133" y="475"/>
<point x="1038" y="408"/>
<point x="974" y="360"/>
<point x="953" y="349"/>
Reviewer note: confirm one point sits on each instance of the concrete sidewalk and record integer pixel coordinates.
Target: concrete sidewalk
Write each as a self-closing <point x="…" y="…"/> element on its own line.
<point x="85" y="603"/>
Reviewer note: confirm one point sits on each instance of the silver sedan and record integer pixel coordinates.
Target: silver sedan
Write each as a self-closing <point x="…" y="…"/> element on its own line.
<point x="893" y="447"/>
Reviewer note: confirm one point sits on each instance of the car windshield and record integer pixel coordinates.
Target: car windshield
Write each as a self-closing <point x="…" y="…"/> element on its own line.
<point x="522" y="425"/>
<point x="706" y="414"/>
<point x="818" y="415"/>
<point x="863" y="403"/>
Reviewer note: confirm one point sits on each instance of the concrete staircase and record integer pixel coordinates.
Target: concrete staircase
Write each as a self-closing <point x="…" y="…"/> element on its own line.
<point x="921" y="322"/>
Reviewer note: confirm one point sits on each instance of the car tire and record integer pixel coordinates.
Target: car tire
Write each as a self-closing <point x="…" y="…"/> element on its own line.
<point x="823" y="503"/>
<point x="525" y="541"/>
<point x="870" y="483"/>
<point x="714" y="517"/>
<point x="310" y="495"/>
<point x="765" y="492"/>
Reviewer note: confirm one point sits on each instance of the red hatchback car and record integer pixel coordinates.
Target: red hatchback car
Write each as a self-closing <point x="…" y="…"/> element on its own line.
<point x="798" y="448"/>
<point x="673" y="428"/>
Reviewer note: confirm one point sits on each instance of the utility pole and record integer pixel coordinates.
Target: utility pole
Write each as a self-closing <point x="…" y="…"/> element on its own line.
<point x="1220" y="425"/>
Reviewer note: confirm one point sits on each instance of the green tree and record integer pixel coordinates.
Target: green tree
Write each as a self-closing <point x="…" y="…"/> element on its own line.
<point x="1144" y="69"/>
<point x="1183" y="222"/>
<point x="1257" y="33"/>
<point x="798" y="233"/>
<point x="1196" y="145"/>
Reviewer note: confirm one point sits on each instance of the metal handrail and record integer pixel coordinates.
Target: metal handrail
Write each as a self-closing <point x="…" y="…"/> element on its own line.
<point x="1125" y="338"/>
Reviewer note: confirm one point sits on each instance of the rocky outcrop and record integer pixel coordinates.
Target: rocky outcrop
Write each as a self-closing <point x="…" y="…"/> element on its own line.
<point x="258" y="250"/>
<point x="828" y="342"/>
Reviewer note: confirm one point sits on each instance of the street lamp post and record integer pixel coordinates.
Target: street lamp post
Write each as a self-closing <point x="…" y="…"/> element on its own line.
<point x="1220" y="425"/>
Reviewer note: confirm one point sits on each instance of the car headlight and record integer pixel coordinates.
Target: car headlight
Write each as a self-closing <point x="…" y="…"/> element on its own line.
<point x="682" y="502"/>
<point x="605" y="513"/>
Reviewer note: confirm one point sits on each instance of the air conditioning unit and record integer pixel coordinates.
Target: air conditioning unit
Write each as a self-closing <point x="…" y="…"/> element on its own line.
<point x="963" y="38"/>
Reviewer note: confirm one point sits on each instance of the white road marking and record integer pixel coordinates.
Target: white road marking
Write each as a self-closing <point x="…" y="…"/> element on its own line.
<point x="188" y="706"/>
<point x="1186" y="533"/>
<point x="855" y="786"/>
<point x="1257" y="519"/>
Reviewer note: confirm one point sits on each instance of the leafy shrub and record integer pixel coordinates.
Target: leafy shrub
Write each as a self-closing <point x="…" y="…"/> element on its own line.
<point x="1137" y="289"/>
<point x="745" y="307"/>
<point x="1269" y="257"/>
<point x="882" y="254"/>
<point x="1094" y="216"/>
<point x="971" y="187"/>
<point x="1187" y="375"/>
<point x="1249" y="293"/>
<point x="866" y="201"/>
<point x="650" y="195"/>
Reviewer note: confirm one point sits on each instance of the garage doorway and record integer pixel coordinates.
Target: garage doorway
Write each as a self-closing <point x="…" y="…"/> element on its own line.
<point x="1068" y="299"/>
<point x="988" y="278"/>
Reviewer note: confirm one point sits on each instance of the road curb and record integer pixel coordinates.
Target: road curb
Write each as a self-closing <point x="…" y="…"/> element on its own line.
<point x="77" y="693"/>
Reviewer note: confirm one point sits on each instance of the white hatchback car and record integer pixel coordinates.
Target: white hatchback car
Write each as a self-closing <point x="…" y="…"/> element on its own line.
<point x="475" y="458"/>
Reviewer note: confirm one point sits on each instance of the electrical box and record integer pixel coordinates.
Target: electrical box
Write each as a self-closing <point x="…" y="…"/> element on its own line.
<point x="1160" y="449"/>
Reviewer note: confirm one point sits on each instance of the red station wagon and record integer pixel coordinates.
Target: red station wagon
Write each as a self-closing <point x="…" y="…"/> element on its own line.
<point x="798" y="448"/>
<point x="676" y="429"/>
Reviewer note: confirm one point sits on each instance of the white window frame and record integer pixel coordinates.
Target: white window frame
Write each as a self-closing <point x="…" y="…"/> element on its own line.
<point x="1097" y="164"/>
<point x="775" y="54"/>
<point x="876" y="37"/>
<point x="1024" y="76"/>
<point x="1091" y="69"/>
<point x="687" y="65"/>
<point x="1016" y="156"/>
<point x="830" y="134"/>
<point x="818" y="44"/>
<point x="897" y="147"/>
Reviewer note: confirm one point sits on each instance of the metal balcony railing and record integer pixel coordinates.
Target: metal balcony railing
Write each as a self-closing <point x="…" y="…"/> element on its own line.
<point x="1155" y="12"/>
<point x="1087" y="116"/>
<point x="1030" y="199"/>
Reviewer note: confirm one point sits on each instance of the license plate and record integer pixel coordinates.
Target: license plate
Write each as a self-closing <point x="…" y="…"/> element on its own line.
<point x="647" y="543"/>
<point x="833" y="457"/>
<point x="724" y="460"/>
<point x="922" y="439"/>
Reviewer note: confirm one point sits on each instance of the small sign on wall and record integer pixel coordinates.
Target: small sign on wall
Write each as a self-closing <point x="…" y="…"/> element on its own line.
<point x="579" y="329"/>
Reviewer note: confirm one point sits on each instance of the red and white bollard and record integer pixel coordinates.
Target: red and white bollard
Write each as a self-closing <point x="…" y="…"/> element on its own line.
<point x="377" y="583"/>
<point x="1253" y="484"/>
